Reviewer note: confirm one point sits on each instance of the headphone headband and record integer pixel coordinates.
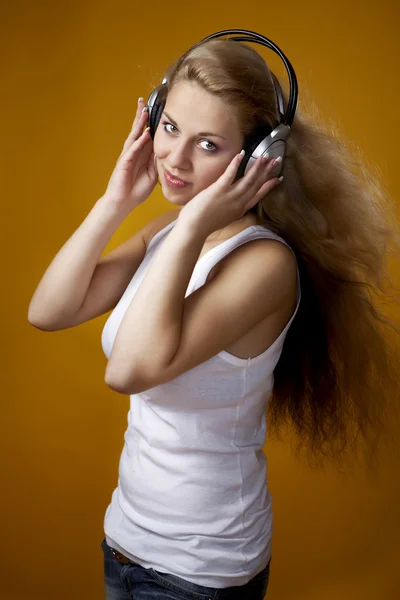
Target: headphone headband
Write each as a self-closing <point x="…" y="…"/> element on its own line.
<point x="257" y="38"/>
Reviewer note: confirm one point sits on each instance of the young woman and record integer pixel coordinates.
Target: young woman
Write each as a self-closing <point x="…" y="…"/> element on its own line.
<point x="254" y="293"/>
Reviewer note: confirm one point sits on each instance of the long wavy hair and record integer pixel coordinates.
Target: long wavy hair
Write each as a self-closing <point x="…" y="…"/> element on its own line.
<point x="337" y="381"/>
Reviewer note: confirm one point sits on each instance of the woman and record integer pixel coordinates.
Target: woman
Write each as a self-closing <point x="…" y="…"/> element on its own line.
<point x="253" y="292"/>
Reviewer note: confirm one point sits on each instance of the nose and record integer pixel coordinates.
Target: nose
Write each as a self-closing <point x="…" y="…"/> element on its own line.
<point x="179" y="155"/>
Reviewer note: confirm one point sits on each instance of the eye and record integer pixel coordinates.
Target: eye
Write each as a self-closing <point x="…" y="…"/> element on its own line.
<point x="166" y="124"/>
<point x="214" y="147"/>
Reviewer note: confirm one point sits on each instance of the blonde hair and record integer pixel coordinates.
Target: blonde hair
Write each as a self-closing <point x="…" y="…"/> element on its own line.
<point x="337" y="380"/>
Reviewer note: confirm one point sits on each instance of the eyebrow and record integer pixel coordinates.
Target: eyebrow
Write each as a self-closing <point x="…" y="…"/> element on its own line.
<point x="200" y="133"/>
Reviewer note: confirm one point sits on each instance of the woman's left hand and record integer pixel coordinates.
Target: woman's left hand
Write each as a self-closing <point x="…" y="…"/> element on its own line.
<point x="223" y="202"/>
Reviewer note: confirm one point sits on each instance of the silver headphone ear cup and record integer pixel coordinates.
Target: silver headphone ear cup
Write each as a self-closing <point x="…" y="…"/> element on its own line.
<point x="275" y="145"/>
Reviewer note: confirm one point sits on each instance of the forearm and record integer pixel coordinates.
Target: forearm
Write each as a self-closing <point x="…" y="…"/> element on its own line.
<point x="65" y="283"/>
<point x="150" y="332"/>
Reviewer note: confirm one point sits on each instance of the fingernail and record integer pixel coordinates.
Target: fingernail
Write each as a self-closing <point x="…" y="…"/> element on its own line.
<point x="242" y="153"/>
<point x="280" y="178"/>
<point x="278" y="160"/>
<point x="140" y="100"/>
<point x="147" y="129"/>
<point x="145" y="109"/>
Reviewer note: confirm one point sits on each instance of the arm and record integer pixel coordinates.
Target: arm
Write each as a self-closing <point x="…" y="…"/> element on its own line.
<point x="63" y="287"/>
<point x="163" y="334"/>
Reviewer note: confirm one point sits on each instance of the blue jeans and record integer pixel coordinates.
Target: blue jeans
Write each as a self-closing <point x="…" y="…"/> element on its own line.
<point x="134" y="582"/>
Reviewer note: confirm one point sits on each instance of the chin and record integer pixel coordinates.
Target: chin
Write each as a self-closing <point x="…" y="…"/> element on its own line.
<point x="175" y="197"/>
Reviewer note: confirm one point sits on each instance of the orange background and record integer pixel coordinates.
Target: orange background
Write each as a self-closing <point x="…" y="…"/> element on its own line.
<point x="72" y="73"/>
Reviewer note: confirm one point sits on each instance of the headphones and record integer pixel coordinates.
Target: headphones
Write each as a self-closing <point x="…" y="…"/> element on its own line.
<point x="265" y="140"/>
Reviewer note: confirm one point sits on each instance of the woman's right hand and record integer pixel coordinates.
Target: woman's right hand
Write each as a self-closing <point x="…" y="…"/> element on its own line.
<point x="134" y="176"/>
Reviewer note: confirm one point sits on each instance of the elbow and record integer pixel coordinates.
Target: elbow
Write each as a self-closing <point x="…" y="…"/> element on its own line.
<point x="38" y="325"/>
<point x="44" y="326"/>
<point x="38" y="322"/>
<point x="112" y="381"/>
<point x="34" y="319"/>
<point x="128" y="385"/>
<point x="116" y="386"/>
<point x="116" y="382"/>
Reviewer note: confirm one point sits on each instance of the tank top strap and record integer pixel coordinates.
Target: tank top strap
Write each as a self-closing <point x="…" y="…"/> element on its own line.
<point x="160" y="235"/>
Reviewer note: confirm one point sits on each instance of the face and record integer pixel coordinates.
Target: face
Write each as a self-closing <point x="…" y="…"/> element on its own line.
<point x="196" y="139"/>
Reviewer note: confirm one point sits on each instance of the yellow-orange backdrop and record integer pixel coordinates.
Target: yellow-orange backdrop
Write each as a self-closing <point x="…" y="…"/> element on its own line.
<point x="72" y="73"/>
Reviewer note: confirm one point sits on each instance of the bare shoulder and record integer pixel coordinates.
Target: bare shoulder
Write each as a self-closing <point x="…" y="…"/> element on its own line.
<point x="265" y="273"/>
<point x="266" y="266"/>
<point x="159" y="223"/>
<point x="265" y="255"/>
<point x="279" y="264"/>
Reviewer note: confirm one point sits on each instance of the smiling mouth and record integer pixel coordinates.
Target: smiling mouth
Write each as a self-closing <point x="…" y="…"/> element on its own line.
<point x="172" y="179"/>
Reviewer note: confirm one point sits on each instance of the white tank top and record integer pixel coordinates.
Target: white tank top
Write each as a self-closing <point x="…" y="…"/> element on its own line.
<point x="192" y="497"/>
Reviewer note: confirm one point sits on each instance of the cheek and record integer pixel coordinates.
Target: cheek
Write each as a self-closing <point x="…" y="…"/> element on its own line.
<point x="211" y="173"/>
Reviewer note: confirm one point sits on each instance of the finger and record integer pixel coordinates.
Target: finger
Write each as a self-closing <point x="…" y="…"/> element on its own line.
<point x="137" y="126"/>
<point x="256" y="184"/>
<point x="229" y="174"/>
<point x="141" y="110"/>
<point x="132" y="151"/>
<point x="261" y="175"/>
<point x="254" y="176"/>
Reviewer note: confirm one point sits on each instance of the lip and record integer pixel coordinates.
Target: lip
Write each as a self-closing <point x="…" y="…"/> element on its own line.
<point x="174" y="181"/>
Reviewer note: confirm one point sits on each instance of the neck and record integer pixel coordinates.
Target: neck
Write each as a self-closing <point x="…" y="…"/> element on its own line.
<point x="233" y="228"/>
